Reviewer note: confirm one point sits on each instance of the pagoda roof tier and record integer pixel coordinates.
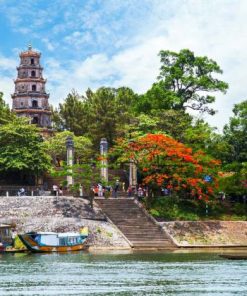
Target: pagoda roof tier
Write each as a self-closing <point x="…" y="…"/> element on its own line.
<point x="30" y="79"/>
<point x="32" y="110"/>
<point x="23" y="66"/>
<point x="30" y="94"/>
<point x="30" y="53"/>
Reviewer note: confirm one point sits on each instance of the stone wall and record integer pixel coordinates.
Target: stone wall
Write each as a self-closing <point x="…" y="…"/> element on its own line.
<point x="60" y="214"/>
<point x="207" y="233"/>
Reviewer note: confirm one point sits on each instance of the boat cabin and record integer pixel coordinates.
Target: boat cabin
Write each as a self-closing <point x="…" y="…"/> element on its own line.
<point x="57" y="239"/>
<point x="5" y="234"/>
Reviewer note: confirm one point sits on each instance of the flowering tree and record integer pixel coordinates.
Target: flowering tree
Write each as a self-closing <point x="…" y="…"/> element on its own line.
<point x="166" y="162"/>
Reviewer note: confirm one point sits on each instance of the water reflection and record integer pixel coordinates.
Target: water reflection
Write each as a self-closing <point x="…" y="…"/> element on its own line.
<point x="142" y="273"/>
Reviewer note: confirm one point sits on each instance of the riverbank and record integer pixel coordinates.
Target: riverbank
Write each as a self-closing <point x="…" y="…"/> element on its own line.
<point x="207" y="233"/>
<point x="61" y="214"/>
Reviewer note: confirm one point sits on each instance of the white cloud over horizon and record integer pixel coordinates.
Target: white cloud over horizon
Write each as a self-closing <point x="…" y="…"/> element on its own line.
<point x="213" y="28"/>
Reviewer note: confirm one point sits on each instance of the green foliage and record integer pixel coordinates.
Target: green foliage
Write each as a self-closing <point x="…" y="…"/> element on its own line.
<point x="185" y="82"/>
<point x="173" y="208"/>
<point x="85" y="174"/>
<point x="56" y="147"/>
<point x="5" y="114"/>
<point x="190" y="79"/>
<point x="235" y="183"/>
<point x="171" y="122"/>
<point x="22" y="148"/>
<point x="235" y="133"/>
<point x="101" y="114"/>
<point x="71" y="115"/>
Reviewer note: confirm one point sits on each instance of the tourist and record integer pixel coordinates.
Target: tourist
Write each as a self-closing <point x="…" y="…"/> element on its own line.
<point x="115" y="189"/>
<point x="145" y="191"/>
<point x="129" y="191"/>
<point x="96" y="190"/>
<point x="21" y="192"/>
<point x="140" y="192"/>
<point x="41" y="191"/>
<point x="60" y="191"/>
<point x="91" y="196"/>
<point x="81" y="190"/>
<point x="55" y="189"/>
<point x="100" y="190"/>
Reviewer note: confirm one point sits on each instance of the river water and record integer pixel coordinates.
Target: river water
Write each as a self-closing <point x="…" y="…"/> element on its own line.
<point x="122" y="274"/>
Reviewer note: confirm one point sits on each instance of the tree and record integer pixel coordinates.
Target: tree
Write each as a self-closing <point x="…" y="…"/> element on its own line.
<point x="100" y="114"/>
<point x="84" y="174"/>
<point x="184" y="82"/>
<point x="56" y="147"/>
<point x="22" y="148"/>
<point x="170" y="122"/>
<point x="166" y="162"/>
<point x="235" y="133"/>
<point x="234" y="183"/>
<point x="5" y="113"/>
<point x="72" y="114"/>
<point x="110" y="113"/>
<point x="201" y="136"/>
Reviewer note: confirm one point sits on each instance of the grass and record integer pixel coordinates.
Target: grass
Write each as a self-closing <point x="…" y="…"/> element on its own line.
<point x="174" y="208"/>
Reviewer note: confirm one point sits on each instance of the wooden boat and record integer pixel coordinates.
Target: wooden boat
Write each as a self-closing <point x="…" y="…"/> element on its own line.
<point x="234" y="256"/>
<point x="39" y="242"/>
<point x="5" y="236"/>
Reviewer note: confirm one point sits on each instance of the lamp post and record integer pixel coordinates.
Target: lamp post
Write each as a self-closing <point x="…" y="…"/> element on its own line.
<point x="104" y="162"/>
<point x="70" y="158"/>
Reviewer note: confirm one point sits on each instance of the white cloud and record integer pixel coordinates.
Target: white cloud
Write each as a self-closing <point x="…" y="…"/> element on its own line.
<point x="77" y="39"/>
<point x="215" y="28"/>
<point x="8" y="64"/>
<point x="6" y="86"/>
<point x="49" y="45"/>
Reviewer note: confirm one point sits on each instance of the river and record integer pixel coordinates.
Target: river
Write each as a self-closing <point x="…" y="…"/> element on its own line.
<point x="122" y="274"/>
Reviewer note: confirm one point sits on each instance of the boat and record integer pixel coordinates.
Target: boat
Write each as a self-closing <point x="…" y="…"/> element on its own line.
<point x="9" y="241"/>
<point x="234" y="256"/>
<point x="39" y="242"/>
<point x="5" y="236"/>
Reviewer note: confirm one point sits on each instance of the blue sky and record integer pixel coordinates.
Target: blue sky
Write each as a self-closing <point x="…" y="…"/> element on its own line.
<point x="90" y="43"/>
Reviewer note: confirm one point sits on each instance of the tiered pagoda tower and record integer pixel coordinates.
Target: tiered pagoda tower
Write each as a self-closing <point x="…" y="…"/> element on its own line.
<point x="30" y="98"/>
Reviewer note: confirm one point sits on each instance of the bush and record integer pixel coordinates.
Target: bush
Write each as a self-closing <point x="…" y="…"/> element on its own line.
<point x="173" y="208"/>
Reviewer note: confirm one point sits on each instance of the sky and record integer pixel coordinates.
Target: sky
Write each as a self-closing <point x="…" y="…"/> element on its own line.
<point x="93" y="43"/>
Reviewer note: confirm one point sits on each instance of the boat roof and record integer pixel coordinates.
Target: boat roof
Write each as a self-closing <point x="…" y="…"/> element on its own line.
<point x="5" y="226"/>
<point x="69" y="234"/>
<point x="60" y="234"/>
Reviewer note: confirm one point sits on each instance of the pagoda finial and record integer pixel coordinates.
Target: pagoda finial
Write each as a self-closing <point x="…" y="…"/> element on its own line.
<point x="29" y="46"/>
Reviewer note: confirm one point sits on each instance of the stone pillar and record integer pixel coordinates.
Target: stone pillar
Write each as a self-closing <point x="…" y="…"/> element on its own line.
<point x="104" y="162"/>
<point x="132" y="174"/>
<point x="70" y="158"/>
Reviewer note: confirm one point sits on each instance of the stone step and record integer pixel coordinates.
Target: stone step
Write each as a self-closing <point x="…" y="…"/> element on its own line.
<point x="132" y="234"/>
<point x="134" y="223"/>
<point x="149" y="242"/>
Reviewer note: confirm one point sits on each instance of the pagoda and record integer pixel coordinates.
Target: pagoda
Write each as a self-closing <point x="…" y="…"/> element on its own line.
<point x="30" y="98"/>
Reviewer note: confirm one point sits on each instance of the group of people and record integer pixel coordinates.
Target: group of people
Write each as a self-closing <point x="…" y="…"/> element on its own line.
<point x="106" y="191"/>
<point x="139" y="191"/>
<point x="57" y="190"/>
<point x="36" y="192"/>
<point x="98" y="190"/>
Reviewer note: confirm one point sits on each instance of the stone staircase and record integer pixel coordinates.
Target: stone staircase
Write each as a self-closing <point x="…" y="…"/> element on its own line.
<point x="136" y="225"/>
